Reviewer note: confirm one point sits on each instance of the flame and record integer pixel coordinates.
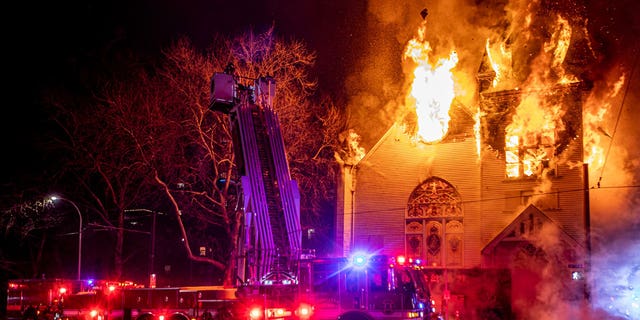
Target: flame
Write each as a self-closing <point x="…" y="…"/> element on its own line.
<point x="357" y="151"/>
<point x="559" y="44"/>
<point x="531" y="136"/>
<point x="530" y="139"/>
<point x="432" y="88"/>
<point x="594" y="112"/>
<point x="351" y="151"/>
<point x="500" y="58"/>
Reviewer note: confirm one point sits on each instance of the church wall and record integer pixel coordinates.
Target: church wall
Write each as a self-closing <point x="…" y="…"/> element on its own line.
<point x="387" y="176"/>
<point x="503" y="198"/>
<point x="562" y="197"/>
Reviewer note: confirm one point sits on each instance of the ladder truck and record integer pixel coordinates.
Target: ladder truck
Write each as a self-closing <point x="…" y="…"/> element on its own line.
<point x="278" y="281"/>
<point x="270" y="248"/>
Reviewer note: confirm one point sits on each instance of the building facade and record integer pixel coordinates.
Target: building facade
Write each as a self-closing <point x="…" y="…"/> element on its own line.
<point x="489" y="196"/>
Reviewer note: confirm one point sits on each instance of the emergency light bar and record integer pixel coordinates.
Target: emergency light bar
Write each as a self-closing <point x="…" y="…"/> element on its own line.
<point x="359" y="260"/>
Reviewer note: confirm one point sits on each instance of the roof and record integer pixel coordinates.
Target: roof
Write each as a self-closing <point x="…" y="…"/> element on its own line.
<point x="525" y="227"/>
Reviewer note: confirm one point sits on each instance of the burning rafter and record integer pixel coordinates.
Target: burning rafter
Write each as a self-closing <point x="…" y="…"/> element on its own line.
<point x="531" y="118"/>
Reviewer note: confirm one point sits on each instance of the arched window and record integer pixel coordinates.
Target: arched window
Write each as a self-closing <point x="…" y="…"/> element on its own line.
<point x="434" y="212"/>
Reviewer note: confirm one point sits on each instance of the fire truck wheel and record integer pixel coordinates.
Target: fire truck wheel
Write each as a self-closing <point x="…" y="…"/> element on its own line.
<point x="178" y="316"/>
<point x="145" y="317"/>
<point x="355" y="315"/>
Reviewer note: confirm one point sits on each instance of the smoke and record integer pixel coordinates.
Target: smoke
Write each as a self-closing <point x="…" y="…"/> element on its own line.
<point x="378" y="83"/>
<point x="615" y="182"/>
<point x="607" y="51"/>
<point x="615" y="214"/>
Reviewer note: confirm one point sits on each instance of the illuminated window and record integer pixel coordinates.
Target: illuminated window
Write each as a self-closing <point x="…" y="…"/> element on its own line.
<point x="529" y="155"/>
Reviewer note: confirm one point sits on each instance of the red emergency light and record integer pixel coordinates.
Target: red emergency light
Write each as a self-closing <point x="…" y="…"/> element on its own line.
<point x="304" y="311"/>
<point x="255" y="313"/>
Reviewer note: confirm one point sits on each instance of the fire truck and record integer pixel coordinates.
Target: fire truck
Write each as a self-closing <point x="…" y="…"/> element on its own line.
<point x="280" y="281"/>
<point x="270" y="247"/>
<point x="368" y="287"/>
<point x="46" y="299"/>
<point x="276" y="278"/>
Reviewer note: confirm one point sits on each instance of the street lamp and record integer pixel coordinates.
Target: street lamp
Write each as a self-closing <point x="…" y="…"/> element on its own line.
<point x="54" y="198"/>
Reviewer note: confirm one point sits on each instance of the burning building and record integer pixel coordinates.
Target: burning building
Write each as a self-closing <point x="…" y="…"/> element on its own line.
<point x="494" y="191"/>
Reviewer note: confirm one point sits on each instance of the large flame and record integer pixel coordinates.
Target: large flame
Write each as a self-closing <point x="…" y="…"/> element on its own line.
<point x="432" y="88"/>
<point x="530" y="138"/>
<point x="552" y="57"/>
<point x="595" y="109"/>
<point x="500" y="58"/>
<point x="559" y="44"/>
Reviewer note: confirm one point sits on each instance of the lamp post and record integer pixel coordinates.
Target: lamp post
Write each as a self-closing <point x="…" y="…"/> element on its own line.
<point x="79" y="231"/>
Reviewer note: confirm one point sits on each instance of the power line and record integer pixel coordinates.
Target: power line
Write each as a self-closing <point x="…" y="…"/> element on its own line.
<point x="615" y="128"/>
<point x="512" y="197"/>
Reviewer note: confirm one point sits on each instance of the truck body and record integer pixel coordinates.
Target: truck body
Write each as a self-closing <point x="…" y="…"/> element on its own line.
<point x="179" y="303"/>
<point x="45" y="299"/>
<point x="369" y="287"/>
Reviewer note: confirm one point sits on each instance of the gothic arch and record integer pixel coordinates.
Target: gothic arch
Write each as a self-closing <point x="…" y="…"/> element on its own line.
<point x="434" y="212"/>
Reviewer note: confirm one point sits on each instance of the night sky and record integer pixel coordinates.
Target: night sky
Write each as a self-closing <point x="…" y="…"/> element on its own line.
<point x="358" y="44"/>
<point x="48" y="38"/>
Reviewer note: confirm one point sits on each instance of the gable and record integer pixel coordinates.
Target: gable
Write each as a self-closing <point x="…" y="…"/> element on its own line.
<point x="526" y="226"/>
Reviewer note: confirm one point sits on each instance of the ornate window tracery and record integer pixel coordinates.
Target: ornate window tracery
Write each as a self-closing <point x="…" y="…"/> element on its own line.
<point x="434" y="224"/>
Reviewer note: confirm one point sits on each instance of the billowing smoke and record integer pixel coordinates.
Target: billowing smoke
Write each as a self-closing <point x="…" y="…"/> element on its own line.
<point x="615" y="203"/>
<point x="610" y="46"/>
<point x="379" y="81"/>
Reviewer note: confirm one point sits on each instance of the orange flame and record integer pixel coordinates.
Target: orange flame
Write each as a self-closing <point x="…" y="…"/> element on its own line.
<point x="351" y="152"/>
<point x="500" y="59"/>
<point x="559" y="44"/>
<point x="594" y="112"/>
<point x="531" y="136"/>
<point x="432" y="88"/>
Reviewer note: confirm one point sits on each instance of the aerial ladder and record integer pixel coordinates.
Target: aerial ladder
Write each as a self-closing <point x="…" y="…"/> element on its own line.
<point x="271" y="238"/>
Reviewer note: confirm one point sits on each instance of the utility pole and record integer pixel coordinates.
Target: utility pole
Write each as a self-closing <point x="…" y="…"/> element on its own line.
<point x="152" y="251"/>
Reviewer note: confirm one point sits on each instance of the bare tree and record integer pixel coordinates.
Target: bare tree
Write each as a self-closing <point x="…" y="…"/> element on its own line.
<point x="146" y="136"/>
<point x="195" y="186"/>
<point x="27" y="222"/>
<point x="104" y="157"/>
